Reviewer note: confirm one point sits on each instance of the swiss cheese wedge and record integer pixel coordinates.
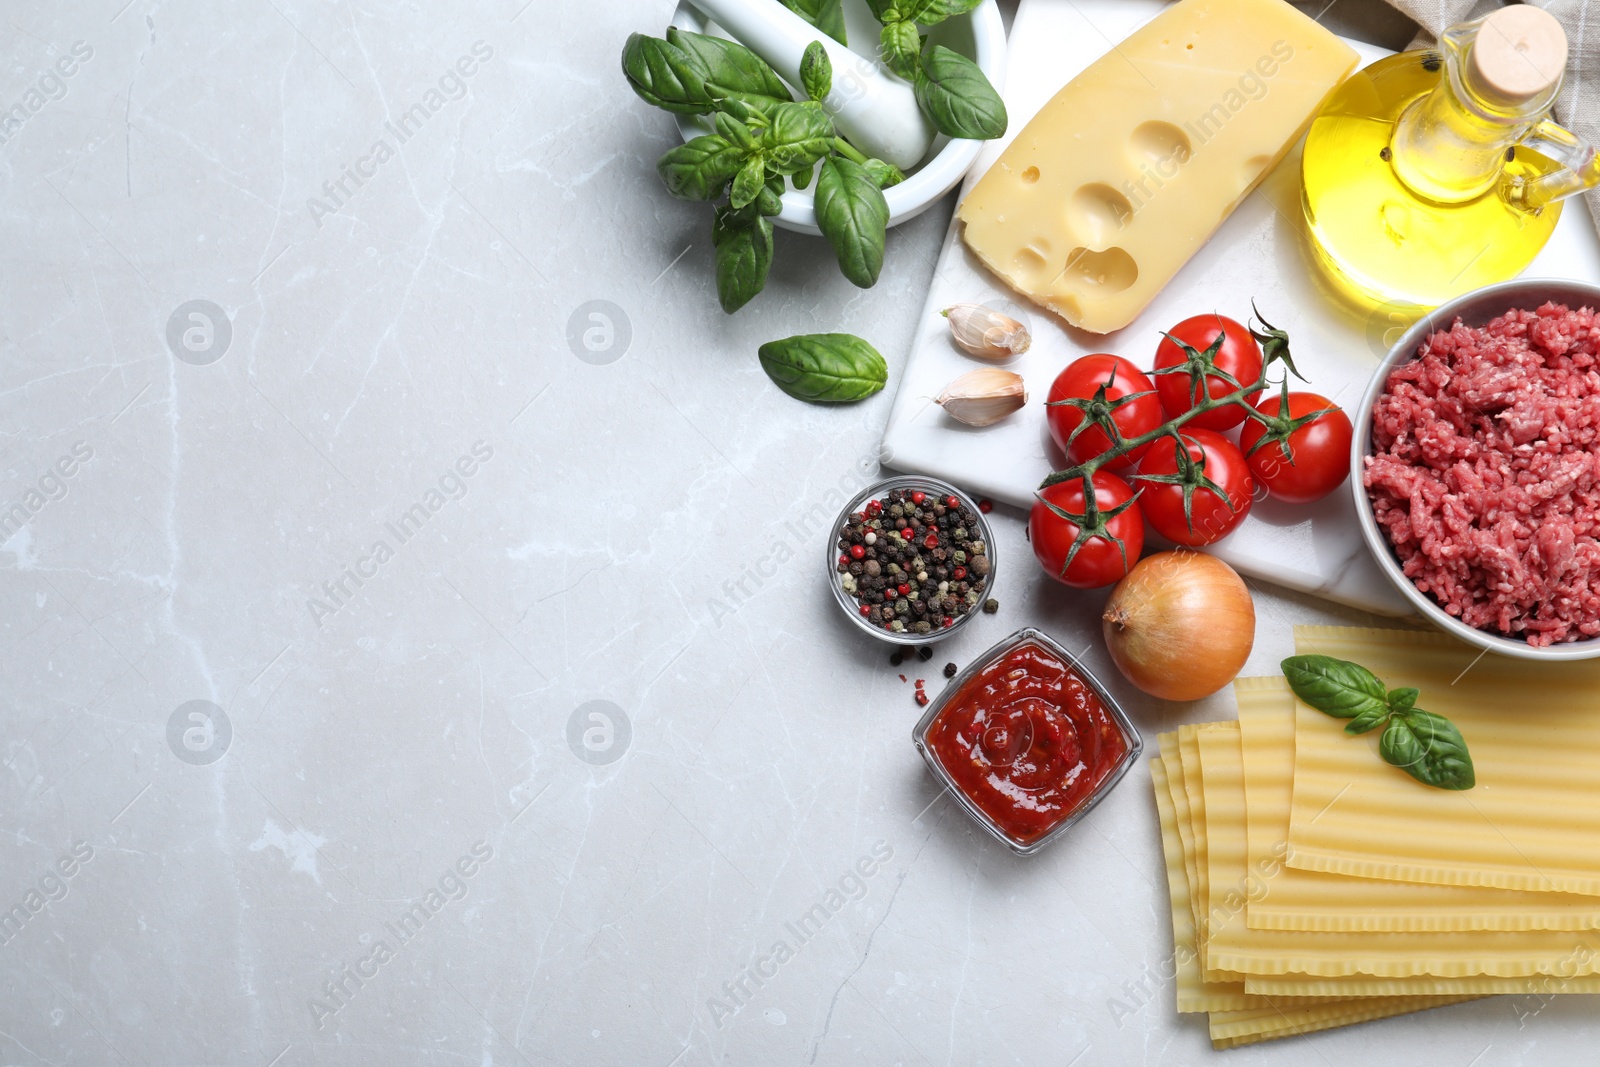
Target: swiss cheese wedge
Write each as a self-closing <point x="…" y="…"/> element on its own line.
<point x="1130" y="168"/>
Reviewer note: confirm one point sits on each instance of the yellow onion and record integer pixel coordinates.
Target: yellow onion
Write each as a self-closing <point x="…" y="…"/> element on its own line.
<point x="1180" y="625"/>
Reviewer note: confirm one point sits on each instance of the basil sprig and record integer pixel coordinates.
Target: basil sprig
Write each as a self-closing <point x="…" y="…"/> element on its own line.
<point x="763" y="139"/>
<point x="1425" y="745"/>
<point x="824" y="367"/>
<point x="952" y="91"/>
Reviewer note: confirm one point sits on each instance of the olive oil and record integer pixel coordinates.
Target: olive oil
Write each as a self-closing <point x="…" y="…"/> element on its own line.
<point x="1382" y="242"/>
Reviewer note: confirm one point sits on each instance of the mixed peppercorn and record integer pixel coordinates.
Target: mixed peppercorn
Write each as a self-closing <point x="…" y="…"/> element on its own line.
<point x="913" y="561"/>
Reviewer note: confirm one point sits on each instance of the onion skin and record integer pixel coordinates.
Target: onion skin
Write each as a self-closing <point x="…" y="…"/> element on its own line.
<point x="1180" y="625"/>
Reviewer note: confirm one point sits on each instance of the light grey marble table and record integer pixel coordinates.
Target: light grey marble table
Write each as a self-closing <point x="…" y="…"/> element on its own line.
<point x="323" y="545"/>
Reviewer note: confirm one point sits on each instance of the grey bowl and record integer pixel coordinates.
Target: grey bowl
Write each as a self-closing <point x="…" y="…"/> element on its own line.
<point x="1474" y="309"/>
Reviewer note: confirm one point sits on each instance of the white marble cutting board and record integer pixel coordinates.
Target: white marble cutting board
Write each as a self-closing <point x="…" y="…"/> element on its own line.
<point x="1259" y="252"/>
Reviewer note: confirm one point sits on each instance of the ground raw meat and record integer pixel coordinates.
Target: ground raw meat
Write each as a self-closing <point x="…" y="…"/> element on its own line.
<point x="1485" y="472"/>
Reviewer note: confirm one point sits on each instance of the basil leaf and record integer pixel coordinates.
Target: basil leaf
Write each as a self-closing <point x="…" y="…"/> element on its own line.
<point x="957" y="97"/>
<point x="825" y="15"/>
<point x="666" y="76"/>
<point x="729" y="66"/>
<point x="816" y="71"/>
<point x="1334" y="686"/>
<point x="700" y="168"/>
<point x="802" y="177"/>
<point x="750" y="110"/>
<point x="770" y="200"/>
<point x="800" y="135"/>
<point x="933" y="12"/>
<point x="824" y="367"/>
<point x="883" y="174"/>
<point x="1403" y="699"/>
<point x="734" y="132"/>
<point x="852" y="215"/>
<point x="885" y="10"/>
<point x="748" y="182"/>
<point x="742" y="241"/>
<point x="1429" y="748"/>
<point x="1370" y="719"/>
<point x="901" y="48"/>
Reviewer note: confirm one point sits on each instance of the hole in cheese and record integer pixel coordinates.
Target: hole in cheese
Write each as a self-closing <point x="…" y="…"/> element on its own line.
<point x="1160" y="142"/>
<point x="1030" y="175"/>
<point x="1104" y="272"/>
<point x="1030" y="265"/>
<point x="1096" y="212"/>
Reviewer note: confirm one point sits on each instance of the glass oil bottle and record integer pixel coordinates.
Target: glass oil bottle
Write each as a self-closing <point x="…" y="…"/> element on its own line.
<point x="1431" y="173"/>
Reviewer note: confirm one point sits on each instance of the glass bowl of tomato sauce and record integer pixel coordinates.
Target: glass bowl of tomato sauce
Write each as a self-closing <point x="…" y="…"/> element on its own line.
<point x="1028" y="740"/>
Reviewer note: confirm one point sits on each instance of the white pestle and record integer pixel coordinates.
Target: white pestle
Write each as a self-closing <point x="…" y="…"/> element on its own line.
<point x="876" y="111"/>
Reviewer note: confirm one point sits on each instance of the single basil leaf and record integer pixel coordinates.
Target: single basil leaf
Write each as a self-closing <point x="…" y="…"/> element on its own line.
<point x="748" y="109"/>
<point x="825" y="15"/>
<point x="1403" y="699"/>
<point x="1370" y="719"/>
<point x="666" y="76"/>
<point x="1334" y="686"/>
<point x="933" y="12"/>
<point x="901" y="47"/>
<point x="800" y="135"/>
<point x="885" y="10"/>
<point x="853" y="216"/>
<point x="1429" y="748"/>
<point x="700" y="168"/>
<point x="824" y="367"/>
<point x="816" y="71"/>
<point x="729" y="66"/>
<point x="770" y="200"/>
<point x="884" y="174"/>
<point x="734" y="132"/>
<point x="957" y="97"/>
<point x="748" y="182"/>
<point x="802" y="177"/>
<point x="742" y="241"/>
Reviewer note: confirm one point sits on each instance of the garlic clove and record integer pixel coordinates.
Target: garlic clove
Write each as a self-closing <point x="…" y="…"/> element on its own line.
<point x="983" y="397"/>
<point x="986" y="333"/>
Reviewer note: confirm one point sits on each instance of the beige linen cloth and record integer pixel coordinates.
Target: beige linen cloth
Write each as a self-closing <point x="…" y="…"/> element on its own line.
<point x="1578" y="107"/>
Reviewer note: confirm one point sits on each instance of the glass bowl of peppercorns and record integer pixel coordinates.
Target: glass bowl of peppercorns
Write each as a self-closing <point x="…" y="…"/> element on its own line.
<point x="911" y="560"/>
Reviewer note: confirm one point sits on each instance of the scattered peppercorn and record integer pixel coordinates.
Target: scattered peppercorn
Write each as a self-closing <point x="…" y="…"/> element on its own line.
<point x="985" y="506"/>
<point x="924" y="653"/>
<point x="895" y="659"/>
<point x="991" y="606"/>
<point x="922" y="699"/>
<point x="949" y="670"/>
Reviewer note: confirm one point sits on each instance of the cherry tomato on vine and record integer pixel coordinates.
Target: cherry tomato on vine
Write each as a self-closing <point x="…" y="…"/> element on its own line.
<point x="1238" y="355"/>
<point x="1081" y="381"/>
<point x="1099" y="560"/>
<point x="1319" y="459"/>
<point x="1215" y="509"/>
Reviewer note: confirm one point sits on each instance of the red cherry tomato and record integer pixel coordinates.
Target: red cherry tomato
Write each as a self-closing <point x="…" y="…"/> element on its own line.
<point x="1099" y="560"/>
<point x="1239" y="356"/>
<point x="1210" y="516"/>
<point x="1319" y="459"/>
<point x="1081" y="380"/>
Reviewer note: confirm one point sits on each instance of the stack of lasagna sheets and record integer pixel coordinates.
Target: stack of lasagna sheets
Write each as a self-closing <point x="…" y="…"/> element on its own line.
<point x="1314" y="886"/>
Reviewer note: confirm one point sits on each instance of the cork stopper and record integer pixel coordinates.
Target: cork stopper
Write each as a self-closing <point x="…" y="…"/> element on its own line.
<point x="1519" y="55"/>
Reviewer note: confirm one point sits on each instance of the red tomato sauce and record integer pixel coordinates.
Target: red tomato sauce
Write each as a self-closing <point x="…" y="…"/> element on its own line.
<point x="1027" y="741"/>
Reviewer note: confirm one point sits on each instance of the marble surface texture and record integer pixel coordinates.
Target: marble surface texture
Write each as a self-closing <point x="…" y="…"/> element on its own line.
<point x="327" y="539"/>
